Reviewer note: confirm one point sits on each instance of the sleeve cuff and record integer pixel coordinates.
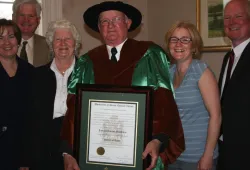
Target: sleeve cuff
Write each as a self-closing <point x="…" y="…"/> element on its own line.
<point x="164" y="139"/>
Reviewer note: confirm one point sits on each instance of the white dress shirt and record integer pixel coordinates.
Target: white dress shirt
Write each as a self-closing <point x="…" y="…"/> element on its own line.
<point x="60" y="105"/>
<point x="118" y="48"/>
<point x="29" y="49"/>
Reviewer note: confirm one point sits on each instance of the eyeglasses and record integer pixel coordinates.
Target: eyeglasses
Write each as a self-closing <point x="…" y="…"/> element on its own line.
<point x="115" y="21"/>
<point x="183" y="40"/>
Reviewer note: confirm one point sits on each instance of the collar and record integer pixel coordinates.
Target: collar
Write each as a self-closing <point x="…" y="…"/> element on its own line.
<point x="54" y="68"/>
<point x="118" y="48"/>
<point x="30" y="41"/>
<point x="239" y="48"/>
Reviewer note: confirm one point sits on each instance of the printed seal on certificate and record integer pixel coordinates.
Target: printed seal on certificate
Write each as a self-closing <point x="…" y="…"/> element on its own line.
<point x="100" y="151"/>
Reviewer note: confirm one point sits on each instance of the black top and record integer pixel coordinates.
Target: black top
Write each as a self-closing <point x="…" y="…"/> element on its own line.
<point x="46" y="141"/>
<point x="14" y="104"/>
<point x="43" y="94"/>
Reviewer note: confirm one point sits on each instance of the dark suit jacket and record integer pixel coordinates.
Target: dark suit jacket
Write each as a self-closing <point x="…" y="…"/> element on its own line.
<point x="236" y="114"/>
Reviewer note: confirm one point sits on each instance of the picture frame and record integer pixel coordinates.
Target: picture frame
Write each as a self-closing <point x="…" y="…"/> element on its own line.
<point x="97" y="142"/>
<point x="209" y="22"/>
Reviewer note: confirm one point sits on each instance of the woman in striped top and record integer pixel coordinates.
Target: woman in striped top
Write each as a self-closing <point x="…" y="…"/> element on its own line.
<point x="197" y="98"/>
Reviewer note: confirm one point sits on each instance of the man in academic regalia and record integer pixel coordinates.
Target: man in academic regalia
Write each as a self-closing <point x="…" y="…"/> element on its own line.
<point x="127" y="62"/>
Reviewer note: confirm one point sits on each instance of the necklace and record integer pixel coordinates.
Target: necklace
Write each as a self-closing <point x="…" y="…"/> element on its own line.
<point x="62" y="72"/>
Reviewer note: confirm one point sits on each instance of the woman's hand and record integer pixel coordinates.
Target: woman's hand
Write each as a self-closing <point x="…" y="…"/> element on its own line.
<point x="205" y="163"/>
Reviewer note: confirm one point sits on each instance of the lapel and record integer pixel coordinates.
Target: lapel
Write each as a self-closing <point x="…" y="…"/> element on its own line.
<point x="239" y="71"/>
<point x="242" y="64"/>
<point x="129" y="56"/>
<point x="224" y="63"/>
<point x="76" y="58"/>
<point x="41" y="53"/>
<point x="45" y="81"/>
<point x="36" y="50"/>
<point x="50" y="77"/>
<point x="102" y="66"/>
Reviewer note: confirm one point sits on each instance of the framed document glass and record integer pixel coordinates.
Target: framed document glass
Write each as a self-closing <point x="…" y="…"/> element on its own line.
<point x="113" y="124"/>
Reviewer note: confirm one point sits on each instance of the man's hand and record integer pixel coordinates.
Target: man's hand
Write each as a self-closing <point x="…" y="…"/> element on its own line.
<point x="70" y="163"/>
<point x="23" y="168"/>
<point x="152" y="149"/>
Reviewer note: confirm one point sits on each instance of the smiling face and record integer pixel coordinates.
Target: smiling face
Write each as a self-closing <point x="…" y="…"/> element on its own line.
<point x="178" y="50"/>
<point x="27" y="20"/>
<point x="237" y="21"/>
<point x="113" y="26"/>
<point x="8" y="43"/>
<point x="63" y="44"/>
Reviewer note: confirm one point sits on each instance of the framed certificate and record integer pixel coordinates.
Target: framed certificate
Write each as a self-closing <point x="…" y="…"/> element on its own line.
<point x="113" y="124"/>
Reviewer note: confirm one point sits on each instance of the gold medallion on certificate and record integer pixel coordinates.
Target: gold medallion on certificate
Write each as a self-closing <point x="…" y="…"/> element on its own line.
<point x="100" y="151"/>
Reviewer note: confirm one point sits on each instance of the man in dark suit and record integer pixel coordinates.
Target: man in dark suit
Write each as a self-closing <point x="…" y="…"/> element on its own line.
<point x="234" y="85"/>
<point x="33" y="48"/>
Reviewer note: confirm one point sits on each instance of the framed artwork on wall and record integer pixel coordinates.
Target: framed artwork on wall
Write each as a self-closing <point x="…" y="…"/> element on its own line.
<point x="209" y="21"/>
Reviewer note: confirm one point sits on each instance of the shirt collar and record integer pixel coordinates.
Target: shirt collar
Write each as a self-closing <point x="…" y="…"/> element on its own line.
<point x="118" y="48"/>
<point x="54" y="68"/>
<point x="30" y="41"/>
<point x="239" y="48"/>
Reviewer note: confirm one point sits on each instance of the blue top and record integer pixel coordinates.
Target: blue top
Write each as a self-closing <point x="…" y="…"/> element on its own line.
<point x="193" y="113"/>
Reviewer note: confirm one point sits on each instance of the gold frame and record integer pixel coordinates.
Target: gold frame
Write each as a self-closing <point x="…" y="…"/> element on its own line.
<point x="198" y="24"/>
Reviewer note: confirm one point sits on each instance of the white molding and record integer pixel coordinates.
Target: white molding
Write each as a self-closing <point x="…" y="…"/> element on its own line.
<point x="51" y="11"/>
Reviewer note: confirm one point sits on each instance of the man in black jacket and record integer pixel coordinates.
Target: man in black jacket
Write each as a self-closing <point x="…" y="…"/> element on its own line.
<point x="234" y="85"/>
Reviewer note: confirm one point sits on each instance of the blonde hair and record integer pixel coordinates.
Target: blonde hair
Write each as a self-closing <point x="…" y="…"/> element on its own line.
<point x="197" y="42"/>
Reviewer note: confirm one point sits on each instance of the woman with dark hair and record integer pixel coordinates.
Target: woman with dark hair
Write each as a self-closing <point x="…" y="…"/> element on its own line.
<point x="15" y="78"/>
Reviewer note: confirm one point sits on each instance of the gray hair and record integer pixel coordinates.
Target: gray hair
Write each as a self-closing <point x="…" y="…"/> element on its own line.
<point x="62" y="23"/>
<point x="17" y="3"/>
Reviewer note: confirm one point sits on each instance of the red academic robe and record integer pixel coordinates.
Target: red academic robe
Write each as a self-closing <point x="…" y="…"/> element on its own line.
<point x="166" y="118"/>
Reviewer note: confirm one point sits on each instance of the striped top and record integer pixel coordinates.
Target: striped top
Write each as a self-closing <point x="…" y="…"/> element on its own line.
<point x="193" y="113"/>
